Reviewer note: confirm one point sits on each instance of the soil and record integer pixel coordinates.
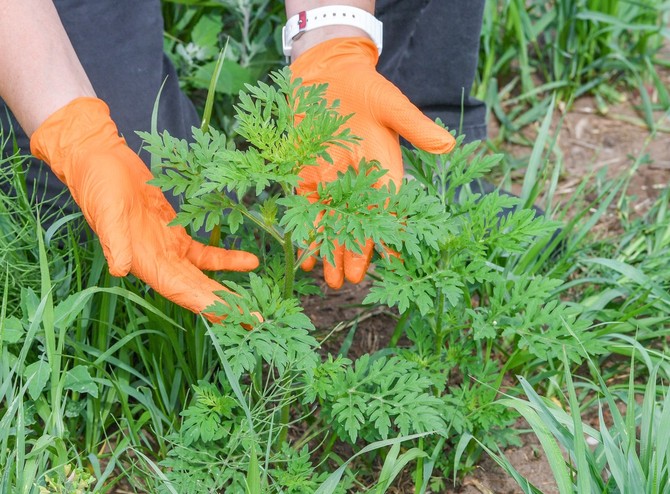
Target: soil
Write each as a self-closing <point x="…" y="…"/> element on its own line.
<point x="590" y="142"/>
<point x="611" y="143"/>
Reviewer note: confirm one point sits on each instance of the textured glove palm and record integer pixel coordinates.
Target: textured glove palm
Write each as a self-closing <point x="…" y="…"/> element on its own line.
<point x="109" y="183"/>
<point x="380" y="114"/>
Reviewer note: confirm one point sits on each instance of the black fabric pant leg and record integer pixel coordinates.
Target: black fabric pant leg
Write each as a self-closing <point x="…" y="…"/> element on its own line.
<point x="431" y="50"/>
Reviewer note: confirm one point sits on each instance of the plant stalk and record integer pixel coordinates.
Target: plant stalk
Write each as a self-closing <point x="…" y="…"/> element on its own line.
<point x="289" y="278"/>
<point x="418" y="472"/>
<point x="289" y="266"/>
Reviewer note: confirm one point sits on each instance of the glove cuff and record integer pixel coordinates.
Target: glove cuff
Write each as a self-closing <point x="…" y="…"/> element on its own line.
<point x="70" y="130"/>
<point x="337" y="51"/>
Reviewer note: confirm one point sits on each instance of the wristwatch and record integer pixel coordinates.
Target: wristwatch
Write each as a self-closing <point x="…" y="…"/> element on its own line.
<point x="329" y="16"/>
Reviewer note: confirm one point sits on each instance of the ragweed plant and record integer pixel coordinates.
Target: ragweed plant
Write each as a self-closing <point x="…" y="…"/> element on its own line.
<point x="469" y="310"/>
<point x="248" y="193"/>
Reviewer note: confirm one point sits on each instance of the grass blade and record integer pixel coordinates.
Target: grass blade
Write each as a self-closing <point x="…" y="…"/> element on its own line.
<point x="330" y="484"/>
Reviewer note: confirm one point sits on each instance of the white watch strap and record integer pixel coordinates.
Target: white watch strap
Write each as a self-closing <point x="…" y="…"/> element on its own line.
<point x="328" y="16"/>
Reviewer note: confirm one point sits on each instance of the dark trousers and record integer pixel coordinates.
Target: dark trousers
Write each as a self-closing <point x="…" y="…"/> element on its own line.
<point x="431" y="49"/>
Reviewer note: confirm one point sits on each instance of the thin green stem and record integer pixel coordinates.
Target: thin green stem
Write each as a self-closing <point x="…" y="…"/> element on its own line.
<point x="285" y="416"/>
<point x="329" y="446"/>
<point x="289" y="278"/>
<point x="399" y="329"/>
<point x="439" y="333"/>
<point x="257" y="377"/>
<point x="314" y="430"/>
<point x="215" y="236"/>
<point x="289" y="265"/>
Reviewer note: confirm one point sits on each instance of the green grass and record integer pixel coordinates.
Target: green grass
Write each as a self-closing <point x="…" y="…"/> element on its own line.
<point x="604" y="48"/>
<point x="627" y="452"/>
<point x="91" y="364"/>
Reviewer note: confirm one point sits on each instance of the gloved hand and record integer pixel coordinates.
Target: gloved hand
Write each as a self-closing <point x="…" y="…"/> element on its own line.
<point x="109" y="183"/>
<point x="380" y="113"/>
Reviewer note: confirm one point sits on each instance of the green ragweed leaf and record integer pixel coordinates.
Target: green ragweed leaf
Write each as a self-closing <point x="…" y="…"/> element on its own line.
<point x="208" y="419"/>
<point x="374" y="397"/>
<point x="282" y="340"/>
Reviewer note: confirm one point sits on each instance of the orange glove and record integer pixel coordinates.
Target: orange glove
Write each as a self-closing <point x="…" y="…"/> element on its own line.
<point x="109" y="183"/>
<point x="380" y="113"/>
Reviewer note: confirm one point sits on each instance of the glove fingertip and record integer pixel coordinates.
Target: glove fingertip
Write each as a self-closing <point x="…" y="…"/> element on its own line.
<point x="443" y="143"/>
<point x="243" y="261"/>
<point x="334" y="275"/>
<point x="213" y="318"/>
<point x="308" y="264"/>
<point x="255" y="314"/>
<point x="119" y="260"/>
<point x="211" y="258"/>
<point x="258" y="316"/>
<point x="356" y="265"/>
<point x="334" y="281"/>
<point x="356" y="274"/>
<point x="219" y="319"/>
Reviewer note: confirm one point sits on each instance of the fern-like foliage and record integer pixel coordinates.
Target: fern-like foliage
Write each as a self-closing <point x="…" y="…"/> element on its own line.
<point x="353" y="208"/>
<point x="443" y="282"/>
<point x="464" y="307"/>
<point x="287" y="126"/>
<point x="208" y="452"/>
<point x="376" y="397"/>
<point x="294" y="473"/>
<point x="282" y="340"/>
<point x="469" y="314"/>
<point x="209" y="418"/>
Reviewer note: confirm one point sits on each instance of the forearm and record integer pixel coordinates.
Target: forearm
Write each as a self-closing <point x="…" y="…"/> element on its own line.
<point x="316" y="36"/>
<point x="40" y="71"/>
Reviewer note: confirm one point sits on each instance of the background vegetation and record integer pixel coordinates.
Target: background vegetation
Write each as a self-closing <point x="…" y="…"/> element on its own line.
<point x="107" y="386"/>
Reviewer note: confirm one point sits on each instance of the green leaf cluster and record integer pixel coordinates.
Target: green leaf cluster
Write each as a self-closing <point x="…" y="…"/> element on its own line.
<point x="286" y="126"/>
<point x="294" y="473"/>
<point x="376" y="398"/>
<point x="467" y="282"/>
<point x="354" y="208"/>
<point x="209" y="418"/>
<point x="208" y="453"/>
<point x="448" y="264"/>
<point x="73" y="481"/>
<point x="282" y="340"/>
<point x="470" y="313"/>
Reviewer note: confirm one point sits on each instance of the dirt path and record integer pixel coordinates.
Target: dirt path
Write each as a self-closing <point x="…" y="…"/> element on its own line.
<point x="616" y="144"/>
